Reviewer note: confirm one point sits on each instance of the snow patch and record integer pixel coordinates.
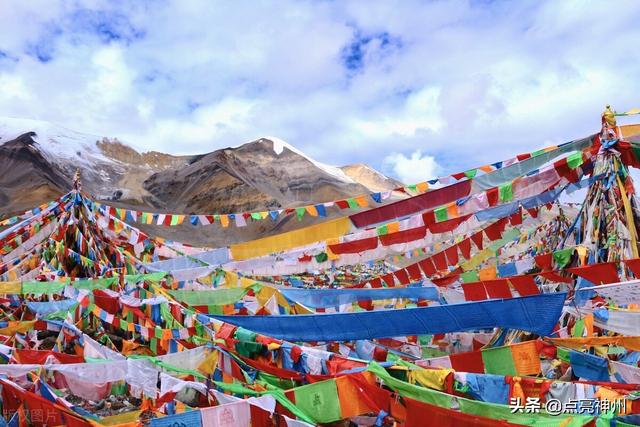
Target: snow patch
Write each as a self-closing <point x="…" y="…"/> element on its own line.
<point x="279" y="145"/>
<point x="55" y="142"/>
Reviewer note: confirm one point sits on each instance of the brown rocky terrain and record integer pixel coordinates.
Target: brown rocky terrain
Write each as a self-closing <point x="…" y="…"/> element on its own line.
<point x="38" y="161"/>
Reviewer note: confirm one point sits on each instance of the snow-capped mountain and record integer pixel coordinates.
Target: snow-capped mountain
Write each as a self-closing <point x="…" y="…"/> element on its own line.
<point x="38" y="161"/>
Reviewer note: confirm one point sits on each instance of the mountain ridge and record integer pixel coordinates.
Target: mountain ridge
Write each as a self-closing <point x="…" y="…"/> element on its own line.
<point x="40" y="160"/>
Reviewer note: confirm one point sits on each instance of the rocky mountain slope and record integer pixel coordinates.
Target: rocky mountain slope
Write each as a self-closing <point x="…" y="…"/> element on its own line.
<point x="38" y="161"/>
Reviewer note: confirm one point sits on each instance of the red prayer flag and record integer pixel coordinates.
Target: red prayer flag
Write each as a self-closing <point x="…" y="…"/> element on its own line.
<point x="544" y="261"/>
<point x="605" y="272"/>
<point x="446" y="280"/>
<point x="474" y="291"/>
<point x="452" y="255"/>
<point x="494" y="231"/>
<point x="467" y="362"/>
<point x="355" y="247"/>
<point x="477" y="239"/>
<point x="516" y="218"/>
<point x="376" y="283"/>
<point x="403" y="236"/>
<point x="448" y="225"/>
<point x="498" y="288"/>
<point x="388" y="279"/>
<point x="634" y="266"/>
<point x="440" y="261"/>
<point x="465" y="248"/>
<point x="493" y="195"/>
<point x="525" y="285"/>
<point x="342" y="204"/>
<point x="427" y="267"/>
<point x="429" y="218"/>
<point x="414" y="272"/>
<point x="402" y="276"/>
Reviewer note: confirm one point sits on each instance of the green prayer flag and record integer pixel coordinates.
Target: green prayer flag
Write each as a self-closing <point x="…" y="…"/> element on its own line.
<point x="506" y="192"/>
<point x="441" y="214"/>
<point x="498" y="361"/>
<point x="320" y="401"/>
<point x="562" y="257"/>
<point x="471" y="173"/>
<point x="243" y="334"/>
<point x="300" y="213"/>
<point x="413" y="188"/>
<point x="574" y="160"/>
<point x="40" y="288"/>
<point x="352" y="203"/>
<point x="382" y="230"/>
<point x="469" y="276"/>
<point x="221" y="296"/>
<point x="504" y="412"/>
<point x="321" y="257"/>
<point x="563" y="354"/>
<point x="256" y="216"/>
<point x="578" y="328"/>
<point x="538" y="152"/>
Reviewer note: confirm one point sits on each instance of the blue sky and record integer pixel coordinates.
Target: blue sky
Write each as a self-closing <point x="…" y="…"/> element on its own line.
<point x="413" y="88"/>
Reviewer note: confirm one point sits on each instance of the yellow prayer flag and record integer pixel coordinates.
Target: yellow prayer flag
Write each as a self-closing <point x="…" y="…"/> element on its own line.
<point x="431" y="378"/>
<point x="291" y="239"/>
<point x="209" y="364"/>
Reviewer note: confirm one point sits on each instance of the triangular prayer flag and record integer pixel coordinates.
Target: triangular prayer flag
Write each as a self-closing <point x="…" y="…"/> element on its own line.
<point x="321" y="210"/>
<point x="478" y="238"/>
<point x="471" y="173"/>
<point x="563" y="257"/>
<point x="465" y="248"/>
<point x="422" y="187"/>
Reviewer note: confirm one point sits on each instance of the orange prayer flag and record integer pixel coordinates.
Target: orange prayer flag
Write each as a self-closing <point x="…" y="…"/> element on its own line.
<point x="393" y="227"/>
<point x="311" y="209"/>
<point x="452" y="211"/>
<point x="422" y="187"/>
<point x="525" y="358"/>
<point x="362" y="201"/>
<point x="488" y="273"/>
<point x="588" y="324"/>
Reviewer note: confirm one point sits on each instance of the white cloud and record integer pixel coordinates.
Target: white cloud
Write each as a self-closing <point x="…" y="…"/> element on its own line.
<point x="469" y="83"/>
<point x="414" y="169"/>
